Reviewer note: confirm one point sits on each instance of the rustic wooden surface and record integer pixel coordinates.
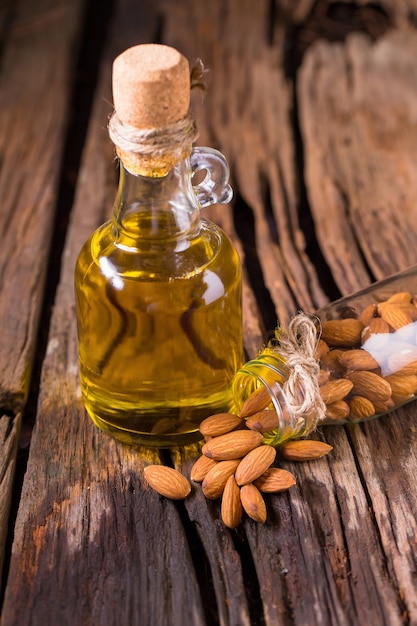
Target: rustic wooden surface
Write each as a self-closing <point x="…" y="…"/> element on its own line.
<point x="314" y="103"/>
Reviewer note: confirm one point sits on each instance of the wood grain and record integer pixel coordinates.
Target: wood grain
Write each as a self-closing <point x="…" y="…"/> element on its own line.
<point x="92" y="542"/>
<point x="358" y="114"/>
<point x="36" y="72"/>
<point x="9" y="441"/>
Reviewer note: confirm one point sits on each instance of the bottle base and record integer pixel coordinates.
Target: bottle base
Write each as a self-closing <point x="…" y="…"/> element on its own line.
<point x="147" y="439"/>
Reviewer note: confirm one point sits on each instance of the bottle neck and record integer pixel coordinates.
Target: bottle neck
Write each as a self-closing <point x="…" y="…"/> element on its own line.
<point x="269" y="372"/>
<point x="156" y="208"/>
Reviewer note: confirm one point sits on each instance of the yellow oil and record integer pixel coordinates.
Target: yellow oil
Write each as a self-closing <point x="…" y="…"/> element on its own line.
<point x="160" y="331"/>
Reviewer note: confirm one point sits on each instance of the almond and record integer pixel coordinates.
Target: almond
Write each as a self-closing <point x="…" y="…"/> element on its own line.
<point x="367" y="314"/>
<point x="257" y="401"/>
<point x="253" y="503"/>
<point x="384" y="407"/>
<point x="321" y="349"/>
<point x="370" y="385"/>
<point x="216" y="478"/>
<point x="344" y="333"/>
<point x="409" y="308"/>
<point x="335" y="390"/>
<point x="255" y="463"/>
<point x="220" y="424"/>
<point x="264" y="421"/>
<point x="402" y="384"/>
<point x="330" y="361"/>
<point x="394" y="315"/>
<point x="233" y="445"/>
<point x="231" y="509"/>
<point x="360" y="408"/>
<point x="167" y="481"/>
<point x="398" y="400"/>
<point x="163" y="426"/>
<point x="201" y="467"/>
<point x="400" y="296"/>
<point x="304" y="450"/>
<point x="323" y="377"/>
<point x="376" y="326"/>
<point x="358" y="360"/>
<point x="338" y="410"/>
<point x="274" y="480"/>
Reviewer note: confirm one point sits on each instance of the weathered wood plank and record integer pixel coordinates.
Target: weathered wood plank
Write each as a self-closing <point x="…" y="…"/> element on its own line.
<point x="92" y="543"/>
<point x="392" y="494"/>
<point x="36" y="73"/>
<point x="9" y="441"/>
<point x="127" y="558"/>
<point x="247" y="113"/>
<point x="360" y="164"/>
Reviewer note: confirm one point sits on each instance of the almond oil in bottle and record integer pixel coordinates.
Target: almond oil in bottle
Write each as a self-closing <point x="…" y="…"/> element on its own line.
<point x="158" y="292"/>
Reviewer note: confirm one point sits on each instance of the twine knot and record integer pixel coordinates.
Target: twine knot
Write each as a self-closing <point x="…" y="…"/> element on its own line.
<point x="297" y="346"/>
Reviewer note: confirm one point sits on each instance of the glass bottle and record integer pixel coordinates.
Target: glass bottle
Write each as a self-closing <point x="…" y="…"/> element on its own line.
<point x="158" y="288"/>
<point x="353" y="360"/>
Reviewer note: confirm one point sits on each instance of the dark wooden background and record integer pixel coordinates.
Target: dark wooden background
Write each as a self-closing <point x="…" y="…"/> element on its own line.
<point x="314" y="104"/>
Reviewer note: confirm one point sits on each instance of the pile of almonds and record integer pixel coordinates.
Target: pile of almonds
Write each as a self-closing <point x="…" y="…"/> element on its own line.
<point x="369" y="364"/>
<point x="235" y="464"/>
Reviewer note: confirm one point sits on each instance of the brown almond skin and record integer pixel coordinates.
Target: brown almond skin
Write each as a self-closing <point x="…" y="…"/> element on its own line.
<point x="394" y="315"/>
<point x="167" y="482"/>
<point x="358" y="359"/>
<point x="330" y="361"/>
<point x="384" y="407"/>
<point x="344" y="333"/>
<point x="253" y="503"/>
<point x="304" y="450"/>
<point x="402" y="384"/>
<point x="323" y="377"/>
<point x="377" y="326"/>
<point x="338" y="410"/>
<point x="220" y="424"/>
<point x="370" y="385"/>
<point x="400" y="296"/>
<point x="335" y="390"/>
<point x="233" y="445"/>
<point x="263" y="421"/>
<point x="360" y="408"/>
<point x="215" y="480"/>
<point x="163" y="426"/>
<point x="321" y="350"/>
<point x="201" y="468"/>
<point x="274" y="480"/>
<point x="254" y="464"/>
<point x="257" y="401"/>
<point x="231" y="508"/>
<point x="398" y="399"/>
<point x="367" y="314"/>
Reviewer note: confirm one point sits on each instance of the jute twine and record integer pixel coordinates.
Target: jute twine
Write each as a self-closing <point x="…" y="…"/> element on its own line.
<point x="297" y="345"/>
<point x="154" y="142"/>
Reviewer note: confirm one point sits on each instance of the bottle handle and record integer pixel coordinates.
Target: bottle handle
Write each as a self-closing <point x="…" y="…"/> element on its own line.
<point x="215" y="188"/>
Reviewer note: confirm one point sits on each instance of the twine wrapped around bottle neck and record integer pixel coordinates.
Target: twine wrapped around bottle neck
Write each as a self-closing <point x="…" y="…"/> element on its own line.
<point x="153" y="141"/>
<point x="297" y="345"/>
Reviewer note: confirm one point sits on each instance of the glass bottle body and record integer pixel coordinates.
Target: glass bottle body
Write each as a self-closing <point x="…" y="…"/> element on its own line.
<point x="158" y="293"/>
<point x="367" y="356"/>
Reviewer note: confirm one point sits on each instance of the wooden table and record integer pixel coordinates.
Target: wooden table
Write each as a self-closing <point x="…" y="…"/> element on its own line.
<point x="314" y="104"/>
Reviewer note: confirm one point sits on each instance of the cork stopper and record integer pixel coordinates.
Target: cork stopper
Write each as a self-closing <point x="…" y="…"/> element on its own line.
<point x="151" y="86"/>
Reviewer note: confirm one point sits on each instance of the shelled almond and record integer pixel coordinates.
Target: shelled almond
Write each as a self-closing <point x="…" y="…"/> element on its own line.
<point x="241" y="468"/>
<point x="368" y="365"/>
<point x="375" y="353"/>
